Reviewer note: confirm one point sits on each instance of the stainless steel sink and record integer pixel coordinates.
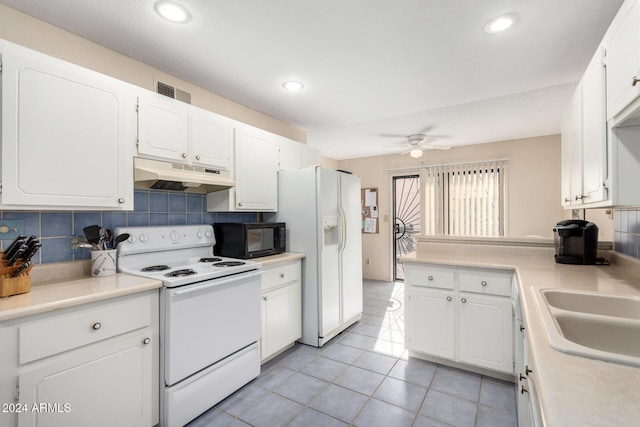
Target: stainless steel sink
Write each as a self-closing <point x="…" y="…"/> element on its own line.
<point x="590" y="324"/>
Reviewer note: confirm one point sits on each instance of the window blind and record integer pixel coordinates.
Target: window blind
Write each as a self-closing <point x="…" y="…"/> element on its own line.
<point x="465" y="199"/>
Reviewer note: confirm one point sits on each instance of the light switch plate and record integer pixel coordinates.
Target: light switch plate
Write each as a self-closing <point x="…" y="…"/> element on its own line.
<point x="11" y="228"/>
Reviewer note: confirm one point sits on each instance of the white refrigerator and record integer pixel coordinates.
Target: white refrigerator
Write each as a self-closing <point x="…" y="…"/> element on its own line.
<point x="322" y="210"/>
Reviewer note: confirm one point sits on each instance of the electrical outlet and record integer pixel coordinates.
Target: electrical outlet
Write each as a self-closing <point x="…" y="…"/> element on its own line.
<point x="73" y="248"/>
<point x="11" y="228"/>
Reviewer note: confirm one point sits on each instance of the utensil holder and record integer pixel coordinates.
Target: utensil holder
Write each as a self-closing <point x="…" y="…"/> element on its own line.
<point x="103" y="263"/>
<point x="13" y="285"/>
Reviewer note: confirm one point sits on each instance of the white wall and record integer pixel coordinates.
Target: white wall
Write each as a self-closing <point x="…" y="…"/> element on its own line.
<point x="533" y="189"/>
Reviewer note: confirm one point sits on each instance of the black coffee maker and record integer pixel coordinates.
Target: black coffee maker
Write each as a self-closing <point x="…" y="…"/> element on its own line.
<point x="576" y="242"/>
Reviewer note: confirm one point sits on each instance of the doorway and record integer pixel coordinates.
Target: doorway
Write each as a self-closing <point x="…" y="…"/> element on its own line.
<point x="407" y="216"/>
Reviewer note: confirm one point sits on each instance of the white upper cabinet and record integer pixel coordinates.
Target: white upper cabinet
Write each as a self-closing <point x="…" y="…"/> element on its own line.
<point x="584" y="140"/>
<point x="211" y="139"/>
<point x="163" y="128"/>
<point x="623" y="59"/>
<point x="255" y="170"/>
<point x="68" y="135"/>
<point x="181" y="133"/>
<point x="294" y="155"/>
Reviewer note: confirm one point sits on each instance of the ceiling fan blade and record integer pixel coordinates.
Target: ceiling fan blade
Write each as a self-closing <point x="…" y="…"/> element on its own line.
<point x="435" y="147"/>
<point x="393" y="135"/>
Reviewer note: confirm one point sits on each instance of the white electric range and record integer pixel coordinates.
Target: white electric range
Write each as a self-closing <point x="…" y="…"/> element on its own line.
<point x="209" y="315"/>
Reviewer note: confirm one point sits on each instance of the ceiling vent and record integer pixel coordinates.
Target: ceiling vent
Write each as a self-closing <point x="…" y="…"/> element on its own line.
<point x="172" y="92"/>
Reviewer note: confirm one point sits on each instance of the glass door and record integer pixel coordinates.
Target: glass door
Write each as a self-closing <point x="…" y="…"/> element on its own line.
<point x="406" y="219"/>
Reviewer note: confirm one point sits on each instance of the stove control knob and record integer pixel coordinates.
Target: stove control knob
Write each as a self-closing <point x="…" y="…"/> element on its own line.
<point x="131" y="239"/>
<point x="209" y="234"/>
<point x="200" y="234"/>
<point x="143" y="238"/>
<point x="174" y="236"/>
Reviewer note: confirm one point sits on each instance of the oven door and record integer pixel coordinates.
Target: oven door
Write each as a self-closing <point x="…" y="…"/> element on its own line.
<point x="208" y="321"/>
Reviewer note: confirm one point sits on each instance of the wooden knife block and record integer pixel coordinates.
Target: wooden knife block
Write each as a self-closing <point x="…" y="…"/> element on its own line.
<point x="13" y="285"/>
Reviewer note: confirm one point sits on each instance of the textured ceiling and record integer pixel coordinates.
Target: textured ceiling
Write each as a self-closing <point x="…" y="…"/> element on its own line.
<point x="371" y="68"/>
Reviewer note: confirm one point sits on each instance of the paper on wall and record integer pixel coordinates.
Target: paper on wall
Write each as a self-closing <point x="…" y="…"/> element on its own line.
<point x="370" y="225"/>
<point x="370" y="197"/>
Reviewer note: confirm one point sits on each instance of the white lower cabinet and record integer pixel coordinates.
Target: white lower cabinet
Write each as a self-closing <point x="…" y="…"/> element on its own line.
<point x="281" y="307"/>
<point x="432" y="315"/>
<point x="94" y="364"/>
<point x="460" y="314"/>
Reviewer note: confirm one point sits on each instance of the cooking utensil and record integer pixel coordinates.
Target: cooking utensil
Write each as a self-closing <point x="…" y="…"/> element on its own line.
<point x="10" y="252"/>
<point x="31" y="251"/>
<point x="16" y="255"/>
<point x="92" y="234"/>
<point x="120" y="238"/>
<point x="108" y="236"/>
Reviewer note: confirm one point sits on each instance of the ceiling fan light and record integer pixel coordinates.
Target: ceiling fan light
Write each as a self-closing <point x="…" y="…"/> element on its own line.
<point x="416" y="153"/>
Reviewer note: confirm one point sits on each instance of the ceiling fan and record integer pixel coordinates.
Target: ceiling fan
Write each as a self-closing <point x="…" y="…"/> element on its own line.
<point x="419" y="142"/>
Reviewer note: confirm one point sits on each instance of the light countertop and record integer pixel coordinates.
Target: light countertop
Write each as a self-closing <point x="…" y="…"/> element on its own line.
<point x="276" y="259"/>
<point x="54" y="295"/>
<point x="572" y="390"/>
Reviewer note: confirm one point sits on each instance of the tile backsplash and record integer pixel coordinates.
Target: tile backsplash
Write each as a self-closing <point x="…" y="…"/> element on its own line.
<point x="626" y="229"/>
<point x="151" y="207"/>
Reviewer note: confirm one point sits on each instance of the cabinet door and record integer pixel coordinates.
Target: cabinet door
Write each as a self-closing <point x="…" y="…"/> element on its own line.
<point x="594" y="131"/>
<point x="106" y="384"/>
<point x="163" y="128"/>
<point x="210" y="139"/>
<point x="623" y="62"/>
<point x="281" y="318"/>
<point x="431" y="321"/>
<point x="65" y="140"/>
<point x="486" y="331"/>
<point x="256" y="170"/>
<point x="291" y="155"/>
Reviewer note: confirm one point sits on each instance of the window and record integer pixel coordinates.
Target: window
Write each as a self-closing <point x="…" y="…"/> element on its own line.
<point x="466" y="199"/>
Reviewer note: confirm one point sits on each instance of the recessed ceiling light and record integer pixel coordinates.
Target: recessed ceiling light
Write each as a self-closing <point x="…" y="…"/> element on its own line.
<point x="293" y="86"/>
<point x="172" y="11"/>
<point x="500" y="23"/>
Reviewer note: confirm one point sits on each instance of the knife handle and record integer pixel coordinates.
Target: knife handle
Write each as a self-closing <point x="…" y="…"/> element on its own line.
<point x="12" y="244"/>
<point x="9" y="253"/>
<point x="20" y="269"/>
<point x="18" y="254"/>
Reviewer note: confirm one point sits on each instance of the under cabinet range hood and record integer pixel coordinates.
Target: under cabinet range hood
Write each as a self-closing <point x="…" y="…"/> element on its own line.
<point x="163" y="175"/>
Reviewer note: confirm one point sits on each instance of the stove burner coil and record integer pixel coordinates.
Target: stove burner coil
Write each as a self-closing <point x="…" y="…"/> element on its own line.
<point x="209" y="259"/>
<point x="228" y="264"/>
<point x="156" y="268"/>
<point x="181" y="273"/>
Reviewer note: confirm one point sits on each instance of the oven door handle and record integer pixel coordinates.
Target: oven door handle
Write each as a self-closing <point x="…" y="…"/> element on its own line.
<point x="217" y="283"/>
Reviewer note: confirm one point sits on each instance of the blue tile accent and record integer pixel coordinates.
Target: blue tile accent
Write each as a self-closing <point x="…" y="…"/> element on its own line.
<point x="85" y="219"/>
<point x="141" y="201"/>
<point x="56" y="224"/>
<point x="158" y="201"/>
<point x="151" y="207"/>
<point x="626" y="236"/>
<point x="177" y="203"/>
<point x="55" y="250"/>
<point x="31" y="221"/>
<point x="195" y="202"/>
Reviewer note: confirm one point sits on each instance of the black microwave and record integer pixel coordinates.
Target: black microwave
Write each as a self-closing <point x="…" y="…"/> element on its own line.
<point x="246" y="240"/>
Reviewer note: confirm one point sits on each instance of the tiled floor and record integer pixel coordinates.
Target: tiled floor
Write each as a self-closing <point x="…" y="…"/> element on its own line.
<point x="363" y="377"/>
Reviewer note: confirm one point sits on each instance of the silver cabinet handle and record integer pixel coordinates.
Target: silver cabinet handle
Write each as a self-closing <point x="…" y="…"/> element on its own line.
<point x="184" y="155"/>
<point x="430" y="278"/>
<point x="96" y="326"/>
<point x="449" y="298"/>
<point x="121" y="200"/>
<point x="146" y="341"/>
<point x="636" y="80"/>
<point x="464" y="300"/>
<point x="265" y="298"/>
<point x="567" y="199"/>
<point x="523" y="390"/>
<point x="483" y="283"/>
<point x="197" y="156"/>
<point x="282" y="275"/>
<point x="239" y="203"/>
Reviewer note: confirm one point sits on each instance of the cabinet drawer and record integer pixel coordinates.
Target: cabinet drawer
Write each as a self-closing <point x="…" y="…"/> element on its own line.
<point x="429" y="275"/>
<point x="77" y="328"/>
<point x="486" y="282"/>
<point x="280" y="274"/>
